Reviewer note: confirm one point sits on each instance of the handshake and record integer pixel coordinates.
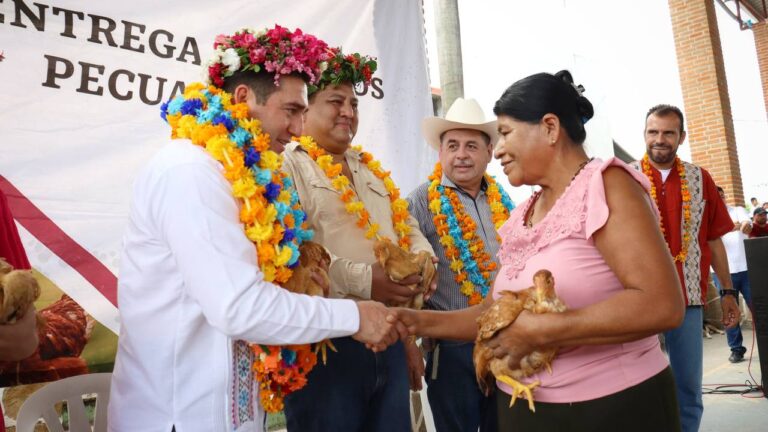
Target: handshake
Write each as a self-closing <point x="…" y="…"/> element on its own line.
<point x="381" y="326"/>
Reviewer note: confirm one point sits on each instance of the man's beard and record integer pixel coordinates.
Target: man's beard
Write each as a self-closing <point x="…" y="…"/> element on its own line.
<point x="662" y="159"/>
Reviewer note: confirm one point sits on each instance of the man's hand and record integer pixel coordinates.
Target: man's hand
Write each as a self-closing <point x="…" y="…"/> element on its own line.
<point x="19" y="340"/>
<point x="379" y="328"/>
<point x="321" y="281"/>
<point x="731" y="312"/>
<point x="384" y="290"/>
<point x="433" y="282"/>
<point x="746" y="227"/>
<point x="415" y="362"/>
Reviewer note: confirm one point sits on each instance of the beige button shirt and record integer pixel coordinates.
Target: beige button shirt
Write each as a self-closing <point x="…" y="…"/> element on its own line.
<point x="336" y="229"/>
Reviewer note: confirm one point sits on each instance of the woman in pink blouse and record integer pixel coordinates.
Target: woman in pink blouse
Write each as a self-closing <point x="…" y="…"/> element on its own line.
<point x="593" y="226"/>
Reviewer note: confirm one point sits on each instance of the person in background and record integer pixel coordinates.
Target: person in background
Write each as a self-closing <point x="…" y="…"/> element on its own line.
<point x="693" y="220"/>
<point x="737" y="263"/>
<point x="463" y="140"/>
<point x="759" y="223"/>
<point x="753" y="204"/>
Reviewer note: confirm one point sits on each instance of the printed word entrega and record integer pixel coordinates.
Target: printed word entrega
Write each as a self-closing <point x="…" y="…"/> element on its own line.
<point x="120" y="83"/>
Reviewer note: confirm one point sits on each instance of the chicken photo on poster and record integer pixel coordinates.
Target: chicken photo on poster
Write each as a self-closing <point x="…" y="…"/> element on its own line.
<point x="71" y="342"/>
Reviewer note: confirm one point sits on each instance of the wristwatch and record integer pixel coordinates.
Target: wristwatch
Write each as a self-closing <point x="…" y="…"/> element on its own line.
<point x="725" y="292"/>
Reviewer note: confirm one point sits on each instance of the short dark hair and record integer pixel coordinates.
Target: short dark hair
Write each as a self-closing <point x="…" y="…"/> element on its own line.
<point x="261" y="83"/>
<point x="663" y="110"/>
<point x="719" y="189"/>
<point x="753" y="198"/>
<point x="530" y="98"/>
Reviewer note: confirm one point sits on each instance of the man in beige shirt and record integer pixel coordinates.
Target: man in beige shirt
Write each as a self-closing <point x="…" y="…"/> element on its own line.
<point x="357" y="389"/>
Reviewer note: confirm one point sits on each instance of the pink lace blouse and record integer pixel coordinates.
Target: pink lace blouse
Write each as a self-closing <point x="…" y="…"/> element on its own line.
<point x="562" y="243"/>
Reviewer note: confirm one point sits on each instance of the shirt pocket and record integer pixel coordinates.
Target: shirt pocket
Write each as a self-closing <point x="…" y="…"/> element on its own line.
<point x="327" y="207"/>
<point x="378" y="189"/>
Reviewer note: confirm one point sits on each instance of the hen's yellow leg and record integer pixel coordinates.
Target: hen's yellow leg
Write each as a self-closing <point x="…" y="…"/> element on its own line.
<point x="323" y="347"/>
<point x="519" y="388"/>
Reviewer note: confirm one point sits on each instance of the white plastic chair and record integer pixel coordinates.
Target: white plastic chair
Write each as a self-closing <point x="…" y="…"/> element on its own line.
<point x="41" y="404"/>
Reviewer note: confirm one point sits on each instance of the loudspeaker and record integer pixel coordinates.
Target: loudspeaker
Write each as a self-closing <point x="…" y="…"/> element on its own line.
<point x="757" y="266"/>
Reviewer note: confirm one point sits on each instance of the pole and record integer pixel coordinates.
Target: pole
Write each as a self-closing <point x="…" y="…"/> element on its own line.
<point x="449" y="51"/>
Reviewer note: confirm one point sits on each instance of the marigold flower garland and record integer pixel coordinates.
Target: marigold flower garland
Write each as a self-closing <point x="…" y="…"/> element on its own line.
<point x="270" y="212"/>
<point x="352" y="203"/>
<point x="686" y="240"/>
<point x="457" y="233"/>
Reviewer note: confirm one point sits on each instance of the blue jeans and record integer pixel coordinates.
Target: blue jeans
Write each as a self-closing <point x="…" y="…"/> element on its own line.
<point x="454" y="396"/>
<point x="740" y="282"/>
<point x="358" y="390"/>
<point x="685" y="349"/>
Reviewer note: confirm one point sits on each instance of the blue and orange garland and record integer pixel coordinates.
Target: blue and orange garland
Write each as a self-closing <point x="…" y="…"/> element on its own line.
<point x="457" y="233"/>
<point x="270" y="212"/>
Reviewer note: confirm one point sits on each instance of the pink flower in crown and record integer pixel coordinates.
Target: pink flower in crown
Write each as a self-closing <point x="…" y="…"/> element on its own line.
<point x="257" y="56"/>
<point x="220" y="40"/>
<point x="244" y="40"/>
<point x="276" y="50"/>
<point x="270" y="66"/>
<point x="278" y="33"/>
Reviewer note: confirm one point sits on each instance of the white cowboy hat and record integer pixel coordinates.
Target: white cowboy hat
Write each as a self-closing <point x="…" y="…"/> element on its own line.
<point x="463" y="114"/>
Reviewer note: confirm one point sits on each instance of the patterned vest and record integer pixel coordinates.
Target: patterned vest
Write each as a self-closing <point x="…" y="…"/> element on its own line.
<point x="691" y="268"/>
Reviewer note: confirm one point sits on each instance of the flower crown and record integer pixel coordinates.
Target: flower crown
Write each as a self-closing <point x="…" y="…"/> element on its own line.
<point x="352" y="68"/>
<point x="276" y="50"/>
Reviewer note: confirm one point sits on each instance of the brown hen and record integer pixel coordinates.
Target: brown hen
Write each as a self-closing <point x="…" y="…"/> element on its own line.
<point x="313" y="259"/>
<point x="399" y="265"/>
<point x="540" y="298"/>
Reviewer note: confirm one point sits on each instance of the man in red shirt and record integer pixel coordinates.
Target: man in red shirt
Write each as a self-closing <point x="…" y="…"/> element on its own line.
<point x="759" y="223"/>
<point x="693" y="218"/>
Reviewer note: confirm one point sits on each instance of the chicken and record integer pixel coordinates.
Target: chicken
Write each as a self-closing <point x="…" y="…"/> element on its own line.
<point x="63" y="336"/>
<point x="540" y="298"/>
<point x="400" y="264"/>
<point x="313" y="259"/>
<point x="18" y="291"/>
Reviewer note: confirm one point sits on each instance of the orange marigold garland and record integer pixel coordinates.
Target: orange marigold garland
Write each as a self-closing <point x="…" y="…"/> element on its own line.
<point x="281" y="371"/>
<point x="457" y="232"/>
<point x="271" y="214"/>
<point x="686" y="194"/>
<point x="352" y="203"/>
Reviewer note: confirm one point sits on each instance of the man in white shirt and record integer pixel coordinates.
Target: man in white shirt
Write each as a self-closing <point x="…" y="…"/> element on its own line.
<point x="737" y="262"/>
<point x="191" y="293"/>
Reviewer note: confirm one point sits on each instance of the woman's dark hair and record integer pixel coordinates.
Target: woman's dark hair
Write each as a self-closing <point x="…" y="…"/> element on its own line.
<point x="529" y="99"/>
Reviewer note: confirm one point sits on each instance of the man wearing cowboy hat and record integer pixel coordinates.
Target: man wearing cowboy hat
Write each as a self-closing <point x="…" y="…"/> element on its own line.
<point x="464" y="141"/>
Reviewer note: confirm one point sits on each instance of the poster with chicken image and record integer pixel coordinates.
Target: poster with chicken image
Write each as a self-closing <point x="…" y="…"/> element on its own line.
<point x="82" y="84"/>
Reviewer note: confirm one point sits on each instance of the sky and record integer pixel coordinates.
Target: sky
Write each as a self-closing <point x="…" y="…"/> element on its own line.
<point x="621" y="51"/>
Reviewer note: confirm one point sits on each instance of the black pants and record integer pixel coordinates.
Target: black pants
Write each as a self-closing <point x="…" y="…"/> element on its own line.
<point x="648" y="406"/>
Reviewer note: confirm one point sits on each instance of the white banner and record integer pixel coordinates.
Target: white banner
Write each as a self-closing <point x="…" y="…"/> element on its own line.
<point x="81" y="85"/>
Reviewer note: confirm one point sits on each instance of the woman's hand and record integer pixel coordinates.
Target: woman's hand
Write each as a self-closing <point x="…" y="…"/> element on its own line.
<point x="518" y="339"/>
<point x="410" y="319"/>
